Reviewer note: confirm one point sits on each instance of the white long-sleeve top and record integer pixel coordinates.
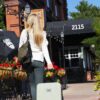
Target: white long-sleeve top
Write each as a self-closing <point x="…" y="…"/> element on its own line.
<point x="38" y="53"/>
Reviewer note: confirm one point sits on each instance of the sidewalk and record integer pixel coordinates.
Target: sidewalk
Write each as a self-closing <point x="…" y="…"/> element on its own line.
<point x="81" y="91"/>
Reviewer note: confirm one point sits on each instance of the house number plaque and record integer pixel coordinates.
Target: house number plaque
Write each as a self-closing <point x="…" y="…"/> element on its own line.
<point x="78" y="27"/>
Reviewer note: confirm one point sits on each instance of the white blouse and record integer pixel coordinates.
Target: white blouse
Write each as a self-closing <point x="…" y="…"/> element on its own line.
<point x="38" y="53"/>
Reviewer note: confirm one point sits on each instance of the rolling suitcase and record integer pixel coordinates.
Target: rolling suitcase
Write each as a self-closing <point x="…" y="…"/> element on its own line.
<point x="49" y="91"/>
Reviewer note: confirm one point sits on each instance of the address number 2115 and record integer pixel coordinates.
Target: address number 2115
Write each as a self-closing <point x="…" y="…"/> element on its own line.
<point x="78" y="27"/>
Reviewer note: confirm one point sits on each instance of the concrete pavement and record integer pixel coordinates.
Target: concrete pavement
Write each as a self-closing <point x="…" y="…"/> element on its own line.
<point x="81" y="91"/>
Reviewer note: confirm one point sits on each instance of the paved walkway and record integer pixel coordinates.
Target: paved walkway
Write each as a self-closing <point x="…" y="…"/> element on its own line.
<point x="81" y="91"/>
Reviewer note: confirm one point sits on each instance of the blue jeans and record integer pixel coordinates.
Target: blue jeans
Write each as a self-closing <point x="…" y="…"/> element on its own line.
<point x="35" y="77"/>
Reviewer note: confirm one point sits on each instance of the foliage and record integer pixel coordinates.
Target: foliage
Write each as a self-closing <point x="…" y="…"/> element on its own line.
<point x="49" y="73"/>
<point x="97" y="78"/>
<point x="10" y="69"/>
<point x="96" y="41"/>
<point x="84" y="10"/>
<point x="2" y="15"/>
<point x="96" y="25"/>
<point x="55" y="74"/>
<point x="6" y="73"/>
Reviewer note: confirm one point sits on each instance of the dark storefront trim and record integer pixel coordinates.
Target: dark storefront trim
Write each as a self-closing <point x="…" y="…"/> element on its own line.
<point x="70" y="27"/>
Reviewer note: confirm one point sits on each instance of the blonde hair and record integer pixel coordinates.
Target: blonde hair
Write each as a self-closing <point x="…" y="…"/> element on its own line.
<point x="33" y="25"/>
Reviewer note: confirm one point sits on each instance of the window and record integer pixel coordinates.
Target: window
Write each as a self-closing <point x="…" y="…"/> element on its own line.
<point x="56" y="10"/>
<point x="74" y="53"/>
<point x="72" y="57"/>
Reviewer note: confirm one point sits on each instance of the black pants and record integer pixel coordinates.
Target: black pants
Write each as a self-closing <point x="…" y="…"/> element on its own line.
<point x="36" y="77"/>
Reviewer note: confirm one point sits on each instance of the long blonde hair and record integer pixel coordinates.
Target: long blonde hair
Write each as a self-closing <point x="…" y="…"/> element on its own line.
<point x="33" y="25"/>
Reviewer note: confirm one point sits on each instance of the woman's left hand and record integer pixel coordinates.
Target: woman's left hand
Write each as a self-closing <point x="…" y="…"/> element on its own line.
<point x="50" y="66"/>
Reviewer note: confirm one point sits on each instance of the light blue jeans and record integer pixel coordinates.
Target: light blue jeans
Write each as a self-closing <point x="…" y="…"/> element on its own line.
<point x="35" y="77"/>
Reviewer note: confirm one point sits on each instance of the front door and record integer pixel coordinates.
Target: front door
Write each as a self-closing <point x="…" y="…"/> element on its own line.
<point x="73" y="64"/>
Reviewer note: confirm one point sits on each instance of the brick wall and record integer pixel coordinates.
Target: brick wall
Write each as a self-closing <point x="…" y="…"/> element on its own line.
<point x="12" y="16"/>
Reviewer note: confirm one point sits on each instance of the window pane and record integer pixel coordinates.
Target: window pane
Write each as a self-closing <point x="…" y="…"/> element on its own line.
<point x="75" y="62"/>
<point x="48" y="3"/>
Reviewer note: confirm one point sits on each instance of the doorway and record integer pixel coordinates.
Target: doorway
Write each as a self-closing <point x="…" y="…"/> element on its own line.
<point x="73" y="64"/>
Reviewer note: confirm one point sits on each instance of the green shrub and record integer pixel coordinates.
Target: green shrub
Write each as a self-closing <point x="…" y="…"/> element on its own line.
<point x="97" y="83"/>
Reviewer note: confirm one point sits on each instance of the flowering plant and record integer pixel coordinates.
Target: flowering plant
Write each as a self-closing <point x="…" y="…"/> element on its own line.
<point x="61" y="72"/>
<point x="49" y="73"/>
<point x="54" y="74"/>
<point x="11" y="69"/>
<point x="20" y="74"/>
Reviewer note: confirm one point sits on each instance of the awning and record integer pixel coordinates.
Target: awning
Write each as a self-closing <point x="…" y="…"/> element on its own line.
<point x="70" y="27"/>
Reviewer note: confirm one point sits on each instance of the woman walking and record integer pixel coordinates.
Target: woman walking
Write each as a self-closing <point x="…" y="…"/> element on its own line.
<point x="39" y="48"/>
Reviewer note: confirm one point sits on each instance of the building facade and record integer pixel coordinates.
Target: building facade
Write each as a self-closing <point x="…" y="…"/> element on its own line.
<point x="69" y="52"/>
<point x="54" y="10"/>
<point x="65" y="37"/>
